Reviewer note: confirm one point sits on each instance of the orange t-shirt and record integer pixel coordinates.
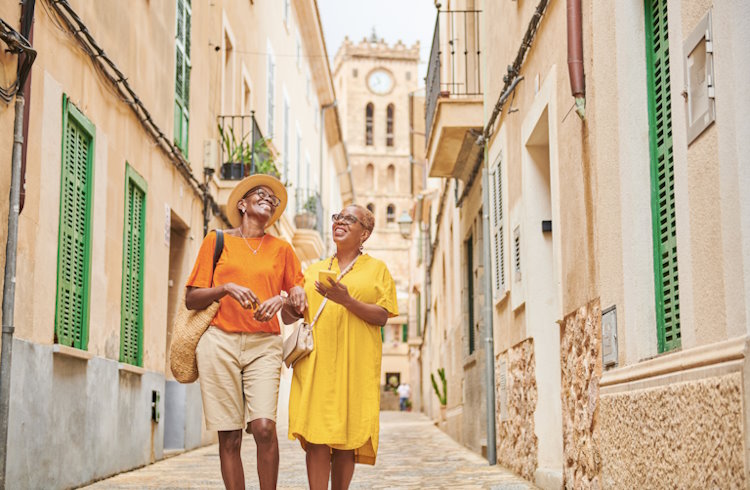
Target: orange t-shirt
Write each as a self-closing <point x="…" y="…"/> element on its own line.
<point x="275" y="268"/>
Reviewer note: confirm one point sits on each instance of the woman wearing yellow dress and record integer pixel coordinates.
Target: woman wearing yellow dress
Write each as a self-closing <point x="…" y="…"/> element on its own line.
<point x="334" y="403"/>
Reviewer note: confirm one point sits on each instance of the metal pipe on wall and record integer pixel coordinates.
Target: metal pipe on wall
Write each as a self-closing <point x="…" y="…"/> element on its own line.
<point x="575" y="55"/>
<point x="9" y="286"/>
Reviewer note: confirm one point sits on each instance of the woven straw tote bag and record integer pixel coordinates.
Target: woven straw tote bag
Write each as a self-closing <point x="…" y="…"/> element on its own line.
<point x="188" y="327"/>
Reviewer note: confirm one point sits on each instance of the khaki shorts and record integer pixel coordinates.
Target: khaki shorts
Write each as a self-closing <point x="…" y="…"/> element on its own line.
<point x="239" y="376"/>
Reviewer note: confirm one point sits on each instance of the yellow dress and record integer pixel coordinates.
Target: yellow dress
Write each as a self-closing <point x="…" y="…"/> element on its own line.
<point x="335" y="394"/>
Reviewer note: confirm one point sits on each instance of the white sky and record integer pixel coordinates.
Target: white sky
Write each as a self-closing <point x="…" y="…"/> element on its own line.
<point x="408" y="20"/>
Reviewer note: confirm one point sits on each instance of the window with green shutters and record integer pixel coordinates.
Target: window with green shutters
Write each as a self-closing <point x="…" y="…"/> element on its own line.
<point x="662" y="176"/>
<point x="74" y="241"/>
<point x="182" y="76"/>
<point x="134" y="234"/>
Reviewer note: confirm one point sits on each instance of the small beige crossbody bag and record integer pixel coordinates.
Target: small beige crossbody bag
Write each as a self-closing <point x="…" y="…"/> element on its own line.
<point x="300" y="343"/>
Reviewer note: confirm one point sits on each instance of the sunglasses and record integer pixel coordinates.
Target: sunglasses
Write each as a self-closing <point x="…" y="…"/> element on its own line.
<point x="347" y="219"/>
<point x="264" y="195"/>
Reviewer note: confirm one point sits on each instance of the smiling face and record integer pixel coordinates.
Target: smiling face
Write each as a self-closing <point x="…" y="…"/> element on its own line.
<point x="259" y="202"/>
<point x="351" y="230"/>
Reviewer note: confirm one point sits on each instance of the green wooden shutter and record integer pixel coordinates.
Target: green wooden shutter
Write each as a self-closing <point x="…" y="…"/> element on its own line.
<point x="404" y="332"/>
<point x="662" y="176"/>
<point x="182" y="75"/>
<point x="419" y="314"/>
<point x="131" y="326"/>
<point x="74" y="242"/>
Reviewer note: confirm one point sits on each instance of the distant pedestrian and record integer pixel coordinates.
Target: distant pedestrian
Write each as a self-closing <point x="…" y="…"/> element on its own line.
<point x="334" y="403"/>
<point x="404" y="393"/>
<point x="239" y="356"/>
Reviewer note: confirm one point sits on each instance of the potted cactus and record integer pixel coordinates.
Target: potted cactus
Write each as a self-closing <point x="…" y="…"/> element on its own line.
<point x="442" y="397"/>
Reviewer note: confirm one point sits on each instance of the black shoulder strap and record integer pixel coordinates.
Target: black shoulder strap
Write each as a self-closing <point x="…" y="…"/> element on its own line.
<point x="218" y="249"/>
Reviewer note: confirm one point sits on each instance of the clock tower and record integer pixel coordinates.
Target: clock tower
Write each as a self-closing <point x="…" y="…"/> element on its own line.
<point x="373" y="82"/>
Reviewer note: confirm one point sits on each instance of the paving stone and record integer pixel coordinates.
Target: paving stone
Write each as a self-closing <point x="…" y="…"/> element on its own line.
<point x="413" y="454"/>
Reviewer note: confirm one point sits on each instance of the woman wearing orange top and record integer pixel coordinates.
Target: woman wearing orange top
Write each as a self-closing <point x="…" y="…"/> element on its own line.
<point x="239" y="355"/>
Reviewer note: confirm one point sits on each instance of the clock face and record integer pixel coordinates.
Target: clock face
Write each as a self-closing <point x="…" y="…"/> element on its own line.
<point x="380" y="82"/>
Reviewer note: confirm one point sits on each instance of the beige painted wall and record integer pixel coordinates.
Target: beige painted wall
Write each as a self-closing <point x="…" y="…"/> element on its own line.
<point x="143" y="48"/>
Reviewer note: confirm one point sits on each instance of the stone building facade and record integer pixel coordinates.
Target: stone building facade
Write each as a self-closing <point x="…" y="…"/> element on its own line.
<point x="619" y="229"/>
<point x="374" y="81"/>
<point x="113" y="213"/>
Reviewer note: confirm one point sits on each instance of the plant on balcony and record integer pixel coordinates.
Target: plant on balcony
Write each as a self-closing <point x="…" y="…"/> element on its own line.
<point x="307" y="217"/>
<point x="234" y="150"/>
<point x="239" y="155"/>
<point x="265" y="161"/>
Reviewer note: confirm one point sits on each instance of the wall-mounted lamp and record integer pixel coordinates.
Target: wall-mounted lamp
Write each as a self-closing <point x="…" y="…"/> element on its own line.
<point x="404" y="224"/>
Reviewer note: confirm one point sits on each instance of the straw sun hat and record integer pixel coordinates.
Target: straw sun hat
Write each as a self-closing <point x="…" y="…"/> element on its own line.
<point x="235" y="218"/>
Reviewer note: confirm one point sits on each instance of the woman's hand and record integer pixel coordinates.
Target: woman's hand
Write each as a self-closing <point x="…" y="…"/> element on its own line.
<point x="298" y="299"/>
<point x="269" y="308"/>
<point x="244" y="296"/>
<point x="334" y="291"/>
<point x="338" y="293"/>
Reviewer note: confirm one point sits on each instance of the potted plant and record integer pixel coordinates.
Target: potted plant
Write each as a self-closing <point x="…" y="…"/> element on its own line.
<point x="307" y="217"/>
<point x="235" y="151"/>
<point x="442" y="397"/>
<point x="265" y="162"/>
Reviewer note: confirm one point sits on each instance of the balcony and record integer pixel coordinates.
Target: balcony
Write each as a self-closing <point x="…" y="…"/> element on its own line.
<point x="309" y="220"/>
<point x="243" y="152"/>
<point x="453" y="99"/>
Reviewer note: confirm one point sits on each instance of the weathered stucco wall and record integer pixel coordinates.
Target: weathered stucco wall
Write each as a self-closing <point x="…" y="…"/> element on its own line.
<point x="516" y="440"/>
<point x="685" y="435"/>
<point x="580" y="354"/>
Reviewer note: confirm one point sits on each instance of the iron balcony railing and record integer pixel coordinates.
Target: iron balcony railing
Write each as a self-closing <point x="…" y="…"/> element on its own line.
<point x="308" y="210"/>
<point x="244" y="151"/>
<point x="454" y="64"/>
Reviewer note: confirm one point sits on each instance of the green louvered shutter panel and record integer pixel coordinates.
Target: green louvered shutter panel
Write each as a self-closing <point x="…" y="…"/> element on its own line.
<point x="182" y="75"/>
<point x="131" y="329"/>
<point x="662" y="176"/>
<point x="71" y="309"/>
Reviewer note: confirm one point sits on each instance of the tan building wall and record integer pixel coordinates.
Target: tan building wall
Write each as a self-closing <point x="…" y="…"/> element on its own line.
<point x="69" y="385"/>
<point x="591" y="178"/>
<point x="382" y="173"/>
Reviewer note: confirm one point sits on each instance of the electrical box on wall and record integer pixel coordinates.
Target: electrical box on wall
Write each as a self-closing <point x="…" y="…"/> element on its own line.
<point x="698" y="52"/>
<point x="609" y="337"/>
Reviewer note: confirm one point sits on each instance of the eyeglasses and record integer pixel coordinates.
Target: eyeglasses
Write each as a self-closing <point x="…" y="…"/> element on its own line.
<point x="264" y="195"/>
<point x="346" y="219"/>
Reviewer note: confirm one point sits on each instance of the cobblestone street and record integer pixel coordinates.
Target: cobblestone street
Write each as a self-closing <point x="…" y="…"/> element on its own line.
<point x="413" y="454"/>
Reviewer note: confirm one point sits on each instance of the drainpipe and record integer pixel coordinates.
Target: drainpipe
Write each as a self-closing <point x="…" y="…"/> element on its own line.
<point x="489" y="346"/>
<point x="9" y="286"/>
<point x="575" y="56"/>
<point x="20" y="46"/>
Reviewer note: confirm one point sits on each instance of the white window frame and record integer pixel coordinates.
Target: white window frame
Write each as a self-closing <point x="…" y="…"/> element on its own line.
<point x="498" y="227"/>
<point x="270" y="92"/>
<point x="247" y="84"/>
<point x="228" y="101"/>
<point x="285" y="141"/>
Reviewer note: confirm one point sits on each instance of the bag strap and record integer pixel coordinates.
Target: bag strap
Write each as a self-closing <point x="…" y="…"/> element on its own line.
<point x="325" y="300"/>
<point x="218" y="249"/>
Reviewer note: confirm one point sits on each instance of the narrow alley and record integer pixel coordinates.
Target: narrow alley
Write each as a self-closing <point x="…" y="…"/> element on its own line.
<point x="413" y="454"/>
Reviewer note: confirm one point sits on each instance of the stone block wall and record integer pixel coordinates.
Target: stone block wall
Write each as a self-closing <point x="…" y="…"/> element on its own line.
<point x="581" y="370"/>
<point x="516" y="441"/>
<point x="681" y="435"/>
